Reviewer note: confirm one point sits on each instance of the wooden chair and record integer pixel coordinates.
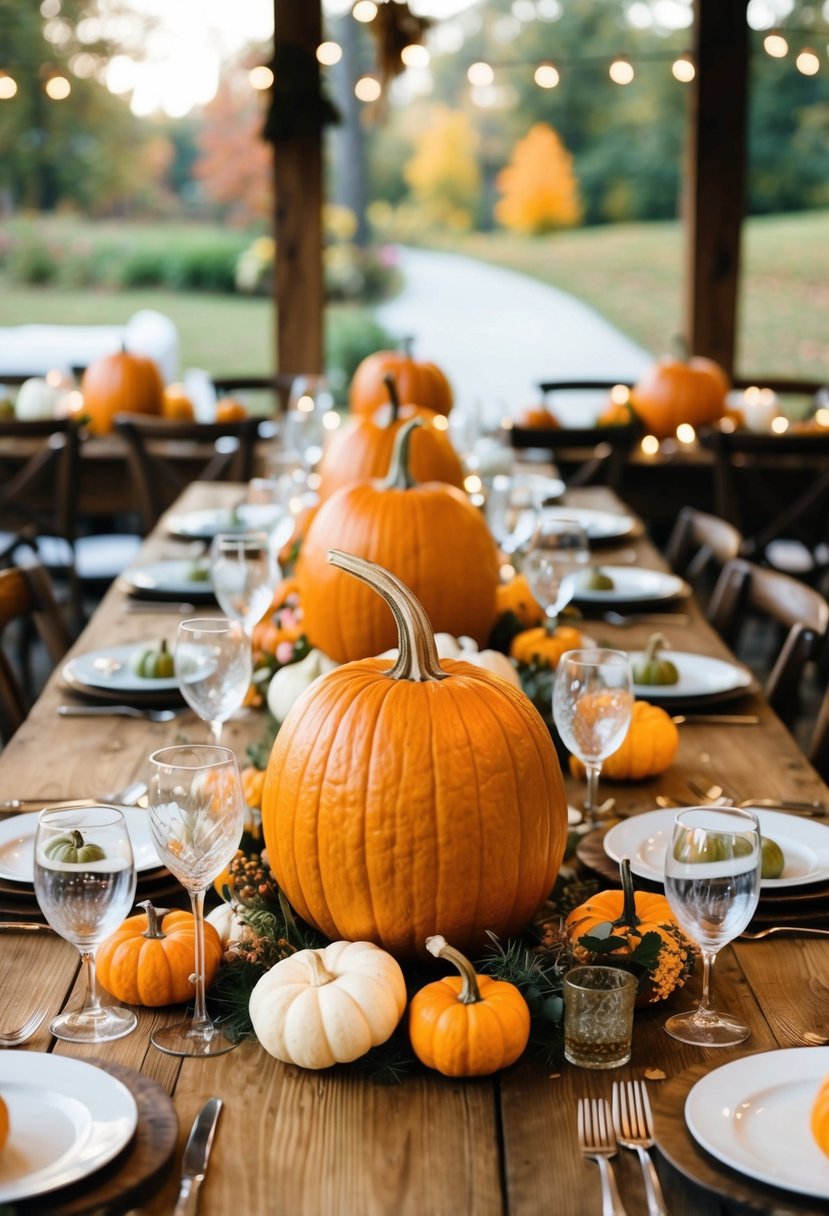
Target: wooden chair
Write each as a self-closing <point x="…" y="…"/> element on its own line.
<point x="796" y="607"/>
<point x="278" y="386"/>
<point x="165" y="455"/>
<point x="584" y="456"/>
<point x="699" y="546"/>
<point x="775" y="489"/>
<point x="26" y="594"/>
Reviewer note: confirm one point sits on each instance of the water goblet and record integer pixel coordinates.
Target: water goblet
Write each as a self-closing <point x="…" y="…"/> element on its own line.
<point x="196" y="818"/>
<point x="712" y="882"/>
<point x="592" y="708"/>
<point x="214" y="666"/>
<point x="304" y="427"/>
<point x="244" y="574"/>
<point x="512" y="500"/>
<point x="558" y="554"/>
<point x="84" y="879"/>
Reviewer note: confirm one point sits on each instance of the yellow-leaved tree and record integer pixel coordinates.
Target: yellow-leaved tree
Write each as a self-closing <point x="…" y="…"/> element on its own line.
<point x="443" y="173"/>
<point x="538" y="188"/>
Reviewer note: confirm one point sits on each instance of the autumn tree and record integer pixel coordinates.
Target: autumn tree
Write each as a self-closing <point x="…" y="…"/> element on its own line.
<point x="235" y="164"/>
<point x="443" y="174"/>
<point x="538" y="188"/>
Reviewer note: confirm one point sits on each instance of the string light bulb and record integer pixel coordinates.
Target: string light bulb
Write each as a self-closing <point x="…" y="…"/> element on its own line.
<point x="329" y="53"/>
<point x="415" y="55"/>
<point x="260" y="77"/>
<point x="807" y="62"/>
<point x="364" y="10"/>
<point x="58" y="88"/>
<point x="480" y="75"/>
<point x="367" y="88"/>
<point x="546" y="76"/>
<point x="683" y="69"/>
<point x="775" y="44"/>
<point x="621" y="71"/>
<point x="8" y="87"/>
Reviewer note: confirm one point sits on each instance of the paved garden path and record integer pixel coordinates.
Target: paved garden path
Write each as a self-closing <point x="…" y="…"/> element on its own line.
<point x="496" y="333"/>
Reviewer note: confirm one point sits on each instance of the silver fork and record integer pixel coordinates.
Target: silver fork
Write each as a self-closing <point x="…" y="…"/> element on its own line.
<point x="633" y="1121"/>
<point x="597" y="1140"/>
<point x="14" y="1038"/>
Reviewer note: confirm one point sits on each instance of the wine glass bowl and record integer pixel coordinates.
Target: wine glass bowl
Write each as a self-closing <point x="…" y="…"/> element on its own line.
<point x="713" y="869"/>
<point x="84" y="880"/>
<point x="244" y="573"/>
<point x="197" y="813"/>
<point x="558" y="553"/>
<point x="592" y="709"/>
<point x="214" y="665"/>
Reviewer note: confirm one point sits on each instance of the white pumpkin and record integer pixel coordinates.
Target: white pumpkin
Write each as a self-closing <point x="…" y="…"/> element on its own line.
<point x="466" y="649"/>
<point x="227" y="924"/>
<point x="323" y="1007"/>
<point x="38" y="399"/>
<point x="291" y="681"/>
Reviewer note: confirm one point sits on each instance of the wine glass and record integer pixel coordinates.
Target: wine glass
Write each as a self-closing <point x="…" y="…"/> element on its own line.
<point x="197" y="813"/>
<point x="712" y="882"/>
<point x="244" y="574"/>
<point x="304" y="426"/>
<point x="592" y="708"/>
<point x="557" y="555"/>
<point x="511" y="502"/>
<point x="214" y="666"/>
<point x="84" y="880"/>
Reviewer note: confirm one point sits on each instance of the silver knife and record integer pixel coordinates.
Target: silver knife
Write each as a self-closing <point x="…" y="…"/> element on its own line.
<point x="717" y="719"/>
<point x="196" y="1157"/>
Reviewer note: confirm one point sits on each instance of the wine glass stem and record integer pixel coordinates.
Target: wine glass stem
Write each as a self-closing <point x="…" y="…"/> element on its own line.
<point x="706" y="1008"/>
<point x="216" y="732"/>
<point x="197" y="905"/>
<point x="591" y="799"/>
<point x="91" y="1000"/>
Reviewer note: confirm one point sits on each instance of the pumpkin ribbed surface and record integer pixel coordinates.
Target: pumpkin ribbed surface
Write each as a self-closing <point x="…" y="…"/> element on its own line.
<point x="361" y="450"/>
<point x="433" y="539"/>
<point x="468" y="1040"/>
<point x="120" y="383"/>
<point x="394" y="809"/>
<point x="155" y="971"/>
<point x="673" y="391"/>
<point x="417" y="380"/>
<point x="648" y="748"/>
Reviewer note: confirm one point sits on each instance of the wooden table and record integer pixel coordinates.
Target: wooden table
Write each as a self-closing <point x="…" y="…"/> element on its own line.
<point x="332" y="1142"/>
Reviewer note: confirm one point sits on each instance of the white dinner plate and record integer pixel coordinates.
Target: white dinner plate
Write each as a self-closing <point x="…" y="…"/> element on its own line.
<point x="17" y="843"/>
<point x="753" y="1115"/>
<point x="174" y="577"/>
<point x="97" y="669"/>
<point x="699" y="676"/>
<point x="645" y="838"/>
<point x="599" y="525"/>
<point x="631" y="586"/>
<point x="204" y="525"/>
<point x="67" y="1118"/>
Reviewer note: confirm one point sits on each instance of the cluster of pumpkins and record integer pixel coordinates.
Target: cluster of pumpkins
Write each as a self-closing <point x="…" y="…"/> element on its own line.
<point x="119" y="383"/>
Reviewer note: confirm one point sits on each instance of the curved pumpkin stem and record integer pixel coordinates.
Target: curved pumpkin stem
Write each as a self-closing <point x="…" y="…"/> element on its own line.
<point x="394" y="396"/>
<point x="407" y="345"/>
<point x="418" y="656"/>
<point x="399" y="477"/>
<point x="628" y="919"/>
<point x="77" y="839"/>
<point x="470" y="993"/>
<point x="154" y="918"/>
<point x="655" y="643"/>
<point x="319" y="974"/>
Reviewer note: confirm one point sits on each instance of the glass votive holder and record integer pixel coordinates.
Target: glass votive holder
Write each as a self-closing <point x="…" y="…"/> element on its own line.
<point x="598" y="1016"/>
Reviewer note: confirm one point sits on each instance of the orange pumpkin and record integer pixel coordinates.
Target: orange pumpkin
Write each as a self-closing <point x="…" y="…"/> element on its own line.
<point x="677" y="390"/>
<point x="648" y="748"/>
<point x="361" y="449"/>
<point x="418" y="381"/>
<point x="228" y="409"/>
<point x="253" y="780"/>
<point x="402" y="800"/>
<point x="515" y="597"/>
<point x="538" y="418"/>
<point x="467" y="1025"/>
<point x="430" y="535"/>
<point x="543" y="647"/>
<point x="819" y="1118"/>
<point x="121" y="383"/>
<point x="177" y="403"/>
<point x="150" y="958"/>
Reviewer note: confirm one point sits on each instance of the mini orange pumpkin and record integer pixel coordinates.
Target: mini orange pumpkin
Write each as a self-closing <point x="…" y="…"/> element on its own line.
<point x="120" y="383"/>
<point x="177" y="403"/>
<point x="467" y="1025"/>
<point x="538" y="418"/>
<point x="228" y="409"/>
<point x="417" y="380"/>
<point x="150" y="958"/>
<point x="648" y="748"/>
<point x="677" y="390"/>
<point x="819" y="1119"/>
<point x="515" y="597"/>
<point x="543" y="646"/>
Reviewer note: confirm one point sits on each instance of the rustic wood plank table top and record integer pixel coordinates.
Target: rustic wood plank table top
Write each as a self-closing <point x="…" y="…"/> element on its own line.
<point x="333" y="1142"/>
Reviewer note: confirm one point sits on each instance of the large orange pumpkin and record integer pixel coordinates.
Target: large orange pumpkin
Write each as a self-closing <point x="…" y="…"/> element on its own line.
<point x="361" y="449"/>
<point x="678" y="390"/>
<point x="418" y="381"/>
<point x="401" y="801"/>
<point x="430" y="535"/>
<point x="121" y="383"/>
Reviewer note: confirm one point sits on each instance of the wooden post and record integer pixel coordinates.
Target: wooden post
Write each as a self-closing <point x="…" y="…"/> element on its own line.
<point x="299" y="297"/>
<point x="714" y="202"/>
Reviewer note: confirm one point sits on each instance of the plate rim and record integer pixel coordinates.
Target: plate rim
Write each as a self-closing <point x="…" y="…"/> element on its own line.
<point x="657" y="692"/>
<point x="586" y="596"/>
<point x="191" y="587"/>
<point x="35" y="1061"/>
<point x="627" y="521"/>
<point x="766" y="884"/>
<point x="751" y="1063"/>
<point x="166" y="685"/>
<point x="7" y="835"/>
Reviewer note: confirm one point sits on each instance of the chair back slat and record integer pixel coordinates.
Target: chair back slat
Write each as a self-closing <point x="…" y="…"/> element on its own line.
<point x="26" y="593"/>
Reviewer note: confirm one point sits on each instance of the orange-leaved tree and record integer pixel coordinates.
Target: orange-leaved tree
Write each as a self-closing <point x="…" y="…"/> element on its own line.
<point x="443" y="173"/>
<point x="538" y="187"/>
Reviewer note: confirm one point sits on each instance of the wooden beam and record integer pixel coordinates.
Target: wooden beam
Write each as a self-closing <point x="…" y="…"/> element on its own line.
<point x="715" y="178"/>
<point x="298" y="190"/>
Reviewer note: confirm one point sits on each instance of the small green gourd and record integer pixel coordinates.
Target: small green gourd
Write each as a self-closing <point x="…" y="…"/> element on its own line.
<point x="72" y="849"/>
<point x="155" y="663"/>
<point x="599" y="581"/>
<point x="198" y="572"/>
<point x="653" y="668"/>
